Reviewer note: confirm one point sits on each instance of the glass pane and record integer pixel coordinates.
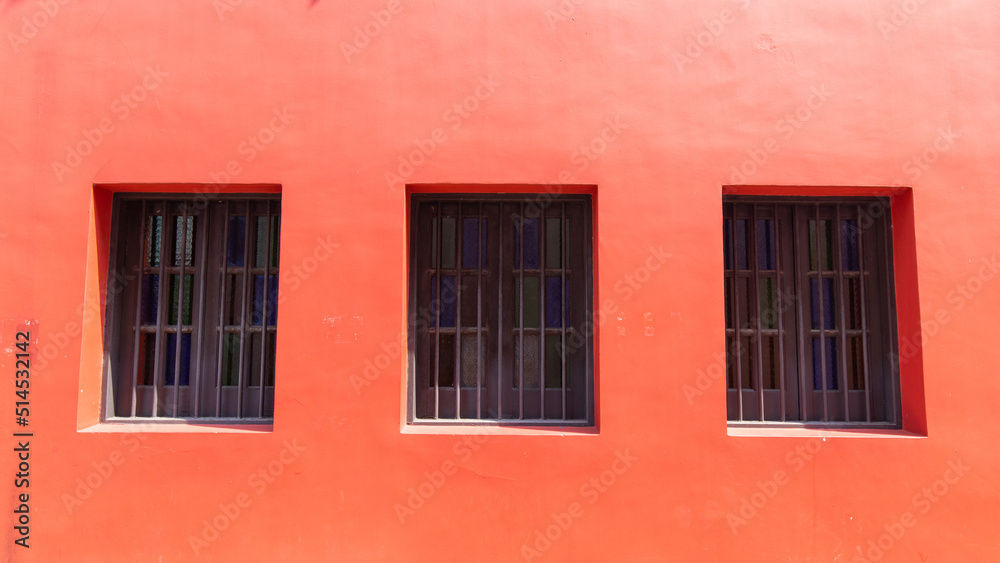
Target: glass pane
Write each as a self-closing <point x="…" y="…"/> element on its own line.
<point x="531" y="301"/>
<point x="825" y="244"/>
<point x="230" y="359"/>
<point x="272" y="341"/>
<point x="553" y="243"/>
<point x="150" y="299"/>
<point x="531" y="359"/>
<point x="828" y="303"/>
<point x="275" y="235"/>
<point x="856" y="365"/>
<point x="259" y="303"/>
<point x="470" y="250"/>
<point x="446" y="305"/>
<point x="434" y="243"/>
<point x="853" y="303"/>
<point x="446" y="373"/>
<point x="470" y="369"/>
<point x="768" y="303"/>
<point x="260" y="242"/>
<point x="553" y="302"/>
<point x="147" y="358"/>
<point x="741" y="244"/>
<point x="183" y="230"/>
<point x="748" y="358"/>
<point x="530" y="229"/>
<point x="154" y="236"/>
<point x="553" y="361"/>
<point x="831" y="364"/>
<point x="233" y="299"/>
<point x="236" y="242"/>
<point x="849" y="244"/>
<point x="729" y="302"/>
<point x="171" y="362"/>
<point x="448" y="242"/>
<point x="769" y="359"/>
<point x="765" y="244"/>
<point x="727" y="243"/>
<point x="252" y="377"/>
<point x="743" y="298"/>
<point x="175" y="301"/>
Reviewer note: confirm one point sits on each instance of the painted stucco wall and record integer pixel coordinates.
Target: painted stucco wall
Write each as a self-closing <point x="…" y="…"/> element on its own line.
<point x="658" y="105"/>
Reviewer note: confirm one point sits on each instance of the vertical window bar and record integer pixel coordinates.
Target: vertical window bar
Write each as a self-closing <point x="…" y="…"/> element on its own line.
<point x="222" y="310"/>
<point x="563" y="260"/>
<point x="459" y="227"/>
<point x="891" y="400"/>
<point x="500" y="275"/>
<point x="479" y="312"/>
<point x="247" y="303"/>
<point x="437" y="312"/>
<point x="138" y="309"/>
<point x="801" y="286"/>
<point x="841" y="291"/>
<point x="520" y="319"/>
<point x="199" y="330"/>
<point x="542" y="307"/>
<point x="180" y="308"/>
<point x="780" y="304"/>
<point x="820" y="306"/>
<point x="864" y="317"/>
<point x="736" y="319"/>
<point x="754" y="258"/>
<point x="158" y="361"/>
<point x="263" y="314"/>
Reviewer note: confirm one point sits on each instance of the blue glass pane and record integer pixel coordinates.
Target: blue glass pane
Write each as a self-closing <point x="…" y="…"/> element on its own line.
<point x="849" y="244"/>
<point x="765" y="244"/>
<point x="553" y="302"/>
<point x="831" y="364"/>
<point x="530" y="231"/>
<point x="470" y="250"/>
<point x="727" y="245"/>
<point x="741" y="244"/>
<point x="150" y="298"/>
<point x="446" y="306"/>
<point x="828" y="303"/>
<point x="172" y="358"/>
<point x="259" y="303"/>
<point x="236" y="240"/>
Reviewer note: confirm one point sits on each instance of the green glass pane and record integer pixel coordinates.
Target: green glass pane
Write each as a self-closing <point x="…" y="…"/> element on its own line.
<point x="768" y="298"/>
<point x="553" y="243"/>
<point x="531" y="301"/>
<point x="230" y="359"/>
<point x="183" y="240"/>
<point x="175" y="298"/>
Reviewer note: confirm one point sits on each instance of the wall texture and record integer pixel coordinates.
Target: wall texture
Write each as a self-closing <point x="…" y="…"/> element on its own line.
<point x="658" y="105"/>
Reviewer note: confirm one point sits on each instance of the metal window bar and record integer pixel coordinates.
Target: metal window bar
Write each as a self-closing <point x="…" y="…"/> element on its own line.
<point x="246" y="301"/>
<point x="138" y="313"/>
<point x="841" y="292"/>
<point x="178" y="338"/>
<point x="737" y="322"/>
<point x="862" y="290"/>
<point x="520" y="318"/>
<point x="892" y="401"/>
<point x="754" y="258"/>
<point x="437" y="313"/>
<point x="820" y="306"/>
<point x="265" y="291"/>
<point x="801" y="281"/>
<point x="779" y="313"/>
<point x="222" y="309"/>
<point x="165" y="235"/>
<point x="457" y="377"/>
<point x="542" y="321"/>
<point x="563" y="261"/>
<point x="195" y="382"/>
<point x="479" y="311"/>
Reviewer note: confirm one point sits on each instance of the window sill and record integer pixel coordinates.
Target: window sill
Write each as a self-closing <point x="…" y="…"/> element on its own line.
<point x="180" y="426"/>
<point x="493" y="429"/>
<point x="770" y="431"/>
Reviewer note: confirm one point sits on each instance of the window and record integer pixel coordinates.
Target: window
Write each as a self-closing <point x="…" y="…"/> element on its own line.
<point x="509" y="338"/>
<point x="194" y="325"/>
<point x="810" y="311"/>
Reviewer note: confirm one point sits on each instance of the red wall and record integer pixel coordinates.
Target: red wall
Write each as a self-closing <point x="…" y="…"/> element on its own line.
<point x="887" y="94"/>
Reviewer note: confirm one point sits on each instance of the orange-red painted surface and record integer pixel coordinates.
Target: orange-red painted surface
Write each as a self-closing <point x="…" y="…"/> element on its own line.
<point x="654" y="107"/>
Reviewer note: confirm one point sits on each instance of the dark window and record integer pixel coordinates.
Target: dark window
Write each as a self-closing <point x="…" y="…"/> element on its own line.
<point x="500" y="309"/>
<point x="810" y="311"/>
<point x="194" y="324"/>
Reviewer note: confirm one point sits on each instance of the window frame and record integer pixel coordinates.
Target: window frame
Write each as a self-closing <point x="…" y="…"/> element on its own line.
<point x="124" y="292"/>
<point x="532" y="205"/>
<point x="875" y="263"/>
